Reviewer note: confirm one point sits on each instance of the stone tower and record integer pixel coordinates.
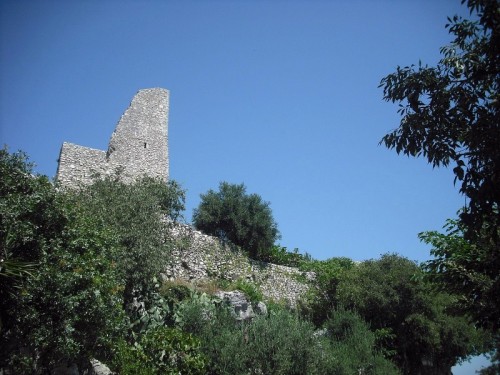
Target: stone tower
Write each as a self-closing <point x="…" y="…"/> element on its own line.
<point x="138" y="146"/>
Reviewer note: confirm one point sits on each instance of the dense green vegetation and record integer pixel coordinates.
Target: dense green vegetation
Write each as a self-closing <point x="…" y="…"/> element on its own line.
<point x="79" y="280"/>
<point x="244" y="219"/>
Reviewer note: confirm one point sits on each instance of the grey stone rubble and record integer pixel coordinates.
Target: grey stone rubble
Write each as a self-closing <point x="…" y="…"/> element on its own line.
<point x="199" y="257"/>
<point x="99" y="368"/>
<point x="95" y="368"/>
<point x="243" y="308"/>
<point x="138" y="146"/>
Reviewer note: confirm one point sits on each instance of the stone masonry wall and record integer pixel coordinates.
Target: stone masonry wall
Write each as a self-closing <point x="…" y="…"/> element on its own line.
<point x="199" y="257"/>
<point x="79" y="164"/>
<point x="138" y="146"/>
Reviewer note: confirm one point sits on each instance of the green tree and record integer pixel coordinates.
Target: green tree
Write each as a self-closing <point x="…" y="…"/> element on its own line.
<point x="450" y="116"/>
<point x="355" y="345"/>
<point x="467" y="269"/>
<point x="321" y="299"/>
<point x="232" y="214"/>
<point x="280" y="343"/>
<point x="68" y="307"/>
<point x="139" y="214"/>
<point x="412" y="322"/>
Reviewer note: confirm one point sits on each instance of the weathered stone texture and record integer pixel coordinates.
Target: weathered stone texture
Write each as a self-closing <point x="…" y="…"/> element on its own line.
<point x="199" y="257"/>
<point x="138" y="146"/>
<point x="243" y="308"/>
<point x="79" y="164"/>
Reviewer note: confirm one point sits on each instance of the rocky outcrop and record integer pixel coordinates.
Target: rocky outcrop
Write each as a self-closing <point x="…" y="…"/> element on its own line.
<point x="242" y="307"/>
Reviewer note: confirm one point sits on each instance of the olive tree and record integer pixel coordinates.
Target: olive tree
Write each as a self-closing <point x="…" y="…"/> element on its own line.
<point x="232" y="214"/>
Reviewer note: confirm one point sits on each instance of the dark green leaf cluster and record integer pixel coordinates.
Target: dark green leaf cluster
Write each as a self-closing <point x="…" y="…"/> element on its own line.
<point x="468" y="269"/>
<point x="162" y="350"/>
<point x="355" y="345"/>
<point x="232" y="214"/>
<point x="139" y="214"/>
<point x="283" y="343"/>
<point x="321" y="299"/>
<point x="72" y="263"/>
<point x="413" y="325"/>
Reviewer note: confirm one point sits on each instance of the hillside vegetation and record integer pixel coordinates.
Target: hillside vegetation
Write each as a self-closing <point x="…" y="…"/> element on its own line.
<point x="80" y="279"/>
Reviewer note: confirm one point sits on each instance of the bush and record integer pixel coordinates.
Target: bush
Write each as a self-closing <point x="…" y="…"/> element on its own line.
<point x="68" y="305"/>
<point x="280" y="255"/>
<point x="354" y="346"/>
<point x="280" y="343"/>
<point x="410" y="318"/>
<point x="231" y="214"/>
<point x="130" y="360"/>
<point x="161" y="350"/>
<point x="321" y="299"/>
<point x="136" y="214"/>
<point x="251" y="290"/>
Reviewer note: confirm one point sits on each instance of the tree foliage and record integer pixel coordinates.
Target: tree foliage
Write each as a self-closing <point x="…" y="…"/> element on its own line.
<point x="413" y="322"/>
<point x="278" y="254"/>
<point x="232" y="214"/>
<point x="68" y="307"/>
<point x="280" y="343"/>
<point x="72" y="260"/>
<point x="468" y="269"/>
<point x="450" y="114"/>
<point x="322" y="298"/>
<point x="162" y="350"/>
<point x="77" y="280"/>
<point x="355" y="345"/>
<point x="139" y="214"/>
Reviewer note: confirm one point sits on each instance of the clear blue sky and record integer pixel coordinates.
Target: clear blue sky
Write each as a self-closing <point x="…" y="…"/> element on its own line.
<point x="279" y="95"/>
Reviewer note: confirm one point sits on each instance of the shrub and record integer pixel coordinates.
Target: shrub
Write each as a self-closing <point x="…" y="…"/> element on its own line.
<point x="136" y="214"/>
<point x="321" y="299"/>
<point x="161" y="350"/>
<point x="68" y="306"/>
<point x="175" y="291"/>
<point x="231" y="214"/>
<point x="130" y="360"/>
<point x="401" y="308"/>
<point x="354" y="346"/>
<point x="280" y="343"/>
<point x="280" y="255"/>
<point x="193" y="314"/>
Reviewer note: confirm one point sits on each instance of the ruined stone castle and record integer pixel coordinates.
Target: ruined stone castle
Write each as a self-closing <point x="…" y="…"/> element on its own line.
<point x="138" y="146"/>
